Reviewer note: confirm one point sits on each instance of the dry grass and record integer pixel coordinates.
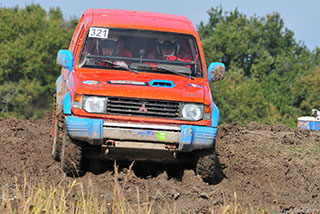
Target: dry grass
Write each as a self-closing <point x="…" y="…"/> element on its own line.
<point x="43" y="198"/>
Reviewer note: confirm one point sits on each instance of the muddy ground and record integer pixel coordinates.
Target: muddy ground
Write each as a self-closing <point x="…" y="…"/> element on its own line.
<point x="267" y="167"/>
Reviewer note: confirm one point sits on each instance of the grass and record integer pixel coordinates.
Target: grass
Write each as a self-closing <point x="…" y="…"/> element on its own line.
<point x="44" y="198"/>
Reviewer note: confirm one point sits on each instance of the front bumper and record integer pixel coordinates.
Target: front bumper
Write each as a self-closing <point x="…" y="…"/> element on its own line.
<point x="182" y="138"/>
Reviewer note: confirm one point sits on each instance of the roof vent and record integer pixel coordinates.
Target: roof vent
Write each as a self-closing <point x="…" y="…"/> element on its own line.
<point x="162" y="83"/>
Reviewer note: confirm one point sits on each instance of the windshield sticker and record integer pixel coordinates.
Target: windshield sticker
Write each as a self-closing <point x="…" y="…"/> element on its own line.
<point x="99" y="32"/>
<point x="194" y="85"/>
<point x="90" y="82"/>
<point x="127" y="82"/>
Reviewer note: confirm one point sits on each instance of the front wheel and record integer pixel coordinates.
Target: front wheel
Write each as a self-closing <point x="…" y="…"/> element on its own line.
<point x="57" y="132"/>
<point x="72" y="161"/>
<point x="208" y="167"/>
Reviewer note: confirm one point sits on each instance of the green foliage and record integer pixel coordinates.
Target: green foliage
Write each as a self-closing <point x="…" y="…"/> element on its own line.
<point x="30" y="39"/>
<point x="242" y="100"/>
<point x="270" y="77"/>
<point x="263" y="63"/>
<point x="307" y="91"/>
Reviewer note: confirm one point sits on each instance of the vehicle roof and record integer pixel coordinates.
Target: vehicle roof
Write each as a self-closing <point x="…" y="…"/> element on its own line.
<point x="138" y="19"/>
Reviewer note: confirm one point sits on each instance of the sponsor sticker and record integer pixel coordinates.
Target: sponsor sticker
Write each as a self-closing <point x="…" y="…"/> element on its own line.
<point x="162" y="136"/>
<point x="126" y="82"/>
<point x="90" y="82"/>
<point x="194" y="85"/>
<point x="142" y="132"/>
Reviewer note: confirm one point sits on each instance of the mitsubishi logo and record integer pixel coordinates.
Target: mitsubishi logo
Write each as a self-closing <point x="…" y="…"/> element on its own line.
<point x="143" y="108"/>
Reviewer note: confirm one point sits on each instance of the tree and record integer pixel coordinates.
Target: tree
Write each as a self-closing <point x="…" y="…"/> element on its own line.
<point x="242" y="100"/>
<point x="306" y="92"/>
<point x="265" y="57"/>
<point x="30" y="39"/>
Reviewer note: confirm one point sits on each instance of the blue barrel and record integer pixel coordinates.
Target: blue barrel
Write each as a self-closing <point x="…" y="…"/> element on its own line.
<point x="309" y="123"/>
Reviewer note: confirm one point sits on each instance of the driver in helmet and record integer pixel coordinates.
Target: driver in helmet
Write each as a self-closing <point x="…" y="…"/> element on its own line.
<point x="168" y="50"/>
<point x="109" y="47"/>
<point x="114" y="47"/>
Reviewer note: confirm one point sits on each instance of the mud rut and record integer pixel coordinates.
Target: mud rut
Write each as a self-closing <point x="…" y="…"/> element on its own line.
<point x="267" y="166"/>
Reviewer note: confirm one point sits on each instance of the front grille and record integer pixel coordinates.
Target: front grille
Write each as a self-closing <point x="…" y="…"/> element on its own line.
<point x="143" y="107"/>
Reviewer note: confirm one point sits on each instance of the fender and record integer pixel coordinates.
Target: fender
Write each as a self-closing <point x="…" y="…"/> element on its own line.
<point x="67" y="96"/>
<point x="67" y="104"/>
<point x="59" y="93"/>
<point x="214" y="115"/>
<point x="215" y="111"/>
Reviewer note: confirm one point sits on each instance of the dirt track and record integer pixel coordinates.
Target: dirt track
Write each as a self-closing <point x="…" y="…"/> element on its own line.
<point x="268" y="167"/>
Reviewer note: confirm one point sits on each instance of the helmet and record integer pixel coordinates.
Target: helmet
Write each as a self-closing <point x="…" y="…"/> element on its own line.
<point x="168" y="48"/>
<point x="109" y="47"/>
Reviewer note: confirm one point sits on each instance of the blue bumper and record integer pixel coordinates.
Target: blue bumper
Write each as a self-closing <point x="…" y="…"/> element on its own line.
<point x="189" y="138"/>
<point x="196" y="137"/>
<point x="85" y="129"/>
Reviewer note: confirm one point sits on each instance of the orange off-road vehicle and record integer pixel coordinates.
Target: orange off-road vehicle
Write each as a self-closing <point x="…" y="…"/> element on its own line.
<point x="134" y="86"/>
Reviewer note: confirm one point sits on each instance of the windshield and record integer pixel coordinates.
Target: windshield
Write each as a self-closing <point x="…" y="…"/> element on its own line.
<point x="141" y="51"/>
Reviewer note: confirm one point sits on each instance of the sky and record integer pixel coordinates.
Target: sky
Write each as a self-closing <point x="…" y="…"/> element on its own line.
<point x="301" y="17"/>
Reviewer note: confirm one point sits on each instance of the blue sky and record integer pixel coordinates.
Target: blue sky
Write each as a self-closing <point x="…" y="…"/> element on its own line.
<point x="302" y="17"/>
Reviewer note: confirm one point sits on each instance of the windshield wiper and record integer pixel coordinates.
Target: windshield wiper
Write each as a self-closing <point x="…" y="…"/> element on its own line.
<point x="140" y="66"/>
<point x="118" y="64"/>
<point x="164" y="68"/>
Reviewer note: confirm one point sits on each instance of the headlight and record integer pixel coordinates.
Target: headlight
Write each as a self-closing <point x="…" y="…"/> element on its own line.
<point x="192" y="112"/>
<point x="93" y="104"/>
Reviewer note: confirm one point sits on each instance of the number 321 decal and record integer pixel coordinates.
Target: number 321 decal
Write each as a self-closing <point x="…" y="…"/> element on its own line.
<point x="99" y="32"/>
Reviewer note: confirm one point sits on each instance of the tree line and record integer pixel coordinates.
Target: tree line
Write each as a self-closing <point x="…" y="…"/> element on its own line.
<point x="270" y="77"/>
<point x="29" y="41"/>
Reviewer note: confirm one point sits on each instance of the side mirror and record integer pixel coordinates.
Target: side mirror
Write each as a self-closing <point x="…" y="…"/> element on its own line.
<point x="216" y="71"/>
<point x="65" y="59"/>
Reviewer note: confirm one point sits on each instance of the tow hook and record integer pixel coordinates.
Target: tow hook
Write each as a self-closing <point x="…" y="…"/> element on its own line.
<point x="106" y="151"/>
<point x="175" y="155"/>
<point x="108" y="143"/>
<point x="171" y="147"/>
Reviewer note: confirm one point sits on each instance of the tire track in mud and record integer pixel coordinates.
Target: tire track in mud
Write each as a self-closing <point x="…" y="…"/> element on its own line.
<point x="271" y="167"/>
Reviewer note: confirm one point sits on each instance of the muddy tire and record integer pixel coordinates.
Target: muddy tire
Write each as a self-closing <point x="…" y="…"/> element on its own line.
<point x="57" y="138"/>
<point x="175" y="171"/>
<point x="72" y="161"/>
<point x="57" y="134"/>
<point x="208" y="167"/>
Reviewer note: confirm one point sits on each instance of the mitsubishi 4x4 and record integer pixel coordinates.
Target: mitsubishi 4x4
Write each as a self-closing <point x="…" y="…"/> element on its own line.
<point x="134" y="86"/>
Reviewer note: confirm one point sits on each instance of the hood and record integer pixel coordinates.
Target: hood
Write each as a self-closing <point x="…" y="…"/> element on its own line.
<point x="142" y="85"/>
